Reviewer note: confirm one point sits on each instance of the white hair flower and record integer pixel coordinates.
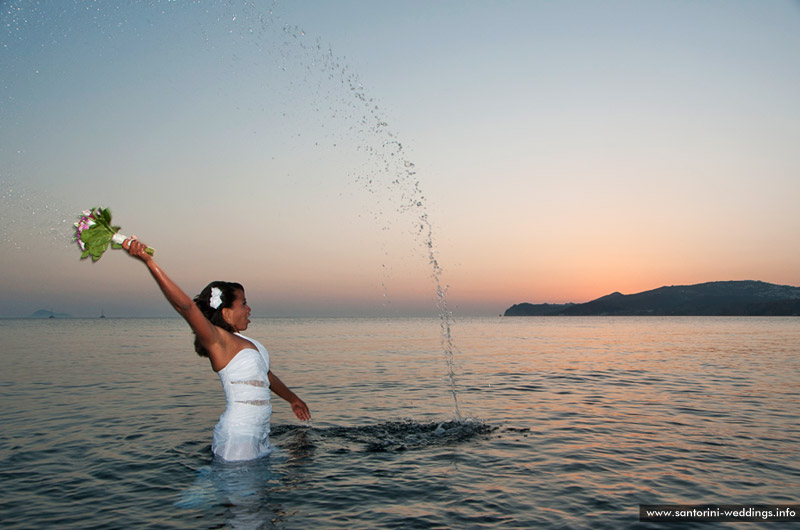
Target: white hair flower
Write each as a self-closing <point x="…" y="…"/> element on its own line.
<point x="216" y="298"/>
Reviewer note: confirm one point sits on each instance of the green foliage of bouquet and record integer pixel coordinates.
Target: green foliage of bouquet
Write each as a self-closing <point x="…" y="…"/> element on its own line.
<point x="94" y="233"/>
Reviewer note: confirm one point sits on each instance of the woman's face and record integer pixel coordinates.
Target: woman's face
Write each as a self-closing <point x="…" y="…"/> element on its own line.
<point x="238" y="315"/>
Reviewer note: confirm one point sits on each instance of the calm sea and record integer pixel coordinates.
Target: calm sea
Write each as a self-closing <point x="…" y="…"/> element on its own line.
<point x="570" y="423"/>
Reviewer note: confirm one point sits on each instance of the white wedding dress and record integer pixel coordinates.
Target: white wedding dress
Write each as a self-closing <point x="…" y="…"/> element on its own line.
<point x="243" y="429"/>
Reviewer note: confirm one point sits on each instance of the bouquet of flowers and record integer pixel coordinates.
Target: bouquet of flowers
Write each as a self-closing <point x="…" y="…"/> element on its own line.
<point x="94" y="233"/>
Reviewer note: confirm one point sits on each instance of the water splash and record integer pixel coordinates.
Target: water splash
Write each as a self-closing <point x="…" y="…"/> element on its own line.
<point x="28" y="218"/>
<point x="391" y="436"/>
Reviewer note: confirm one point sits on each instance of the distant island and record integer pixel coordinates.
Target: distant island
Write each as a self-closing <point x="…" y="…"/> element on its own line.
<point x="44" y="313"/>
<point x="733" y="298"/>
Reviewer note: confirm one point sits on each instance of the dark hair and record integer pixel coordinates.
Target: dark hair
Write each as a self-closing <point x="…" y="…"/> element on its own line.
<point x="214" y="315"/>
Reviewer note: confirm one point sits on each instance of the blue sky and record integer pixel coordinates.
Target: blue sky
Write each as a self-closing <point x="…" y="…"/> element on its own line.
<point x="561" y="150"/>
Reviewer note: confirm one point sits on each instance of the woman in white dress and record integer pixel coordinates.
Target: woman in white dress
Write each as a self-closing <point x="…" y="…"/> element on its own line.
<point x="217" y="316"/>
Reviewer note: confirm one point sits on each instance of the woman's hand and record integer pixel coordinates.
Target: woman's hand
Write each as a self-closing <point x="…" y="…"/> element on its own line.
<point x="136" y="249"/>
<point x="300" y="409"/>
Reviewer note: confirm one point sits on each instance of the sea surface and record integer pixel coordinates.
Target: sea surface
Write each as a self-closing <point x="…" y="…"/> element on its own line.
<point x="567" y="423"/>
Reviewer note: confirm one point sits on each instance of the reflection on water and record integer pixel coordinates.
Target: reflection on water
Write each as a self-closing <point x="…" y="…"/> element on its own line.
<point x="242" y="488"/>
<point x="245" y="489"/>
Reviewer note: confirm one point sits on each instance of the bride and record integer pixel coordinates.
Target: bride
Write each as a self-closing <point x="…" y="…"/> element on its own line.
<point x="217" y="316"/>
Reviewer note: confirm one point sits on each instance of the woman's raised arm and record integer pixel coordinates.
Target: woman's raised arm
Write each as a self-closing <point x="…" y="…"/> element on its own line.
<point x="206" y="332"/>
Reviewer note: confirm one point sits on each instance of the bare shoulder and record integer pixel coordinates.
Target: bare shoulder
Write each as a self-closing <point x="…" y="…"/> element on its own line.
<point x="226" y="349"/>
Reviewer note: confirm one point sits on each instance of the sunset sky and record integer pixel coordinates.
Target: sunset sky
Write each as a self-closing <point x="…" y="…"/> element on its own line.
<point x="560" y="150"/>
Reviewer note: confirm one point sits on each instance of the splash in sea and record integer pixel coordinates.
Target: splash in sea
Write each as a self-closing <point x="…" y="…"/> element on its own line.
<point x="388" y="436"/>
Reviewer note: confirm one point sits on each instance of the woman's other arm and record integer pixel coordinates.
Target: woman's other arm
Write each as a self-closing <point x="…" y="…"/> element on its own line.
<point x="299" y="407"/>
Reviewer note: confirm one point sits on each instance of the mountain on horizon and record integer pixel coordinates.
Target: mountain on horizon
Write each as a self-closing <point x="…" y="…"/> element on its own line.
<point x="726" y="298"/>
<point x="45" y="313"/>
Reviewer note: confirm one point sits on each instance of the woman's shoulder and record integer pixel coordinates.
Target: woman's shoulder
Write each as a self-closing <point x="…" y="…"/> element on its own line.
<point x="231" y="343"/>
<point x="250" y="357"/>
<point x="250" y="343"/>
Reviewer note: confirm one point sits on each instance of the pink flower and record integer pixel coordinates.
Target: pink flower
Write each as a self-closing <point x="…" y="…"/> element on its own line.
<point x="84" y="223"/>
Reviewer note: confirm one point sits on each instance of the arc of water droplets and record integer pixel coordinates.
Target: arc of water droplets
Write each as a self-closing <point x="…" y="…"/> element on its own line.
<point x="391" y="170"/>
